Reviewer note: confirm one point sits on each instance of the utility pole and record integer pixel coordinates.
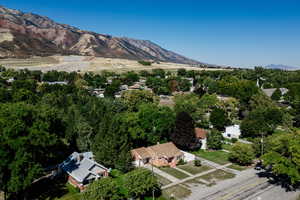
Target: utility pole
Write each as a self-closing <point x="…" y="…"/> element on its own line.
<point x="262" y="143"/>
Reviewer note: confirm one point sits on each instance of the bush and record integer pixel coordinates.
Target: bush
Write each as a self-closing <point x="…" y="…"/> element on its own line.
<point x="146" y="63"/>
<point x="215" y="140"/>
<point x="181" y="162"/>
<point x="115" y="173"/>
<point x="242" y="154"/>
<point x="234" y="140"/>
<point x="197" y="163"/>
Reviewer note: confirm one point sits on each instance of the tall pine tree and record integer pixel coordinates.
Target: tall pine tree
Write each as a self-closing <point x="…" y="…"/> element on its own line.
<point x="184" y="133"/>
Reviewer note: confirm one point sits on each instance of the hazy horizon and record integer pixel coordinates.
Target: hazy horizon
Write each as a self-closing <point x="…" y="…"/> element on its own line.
<point x="235" y="33"/>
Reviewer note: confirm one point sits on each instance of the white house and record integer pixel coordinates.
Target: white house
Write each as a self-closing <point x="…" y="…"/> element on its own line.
<point x="233" y="131"/>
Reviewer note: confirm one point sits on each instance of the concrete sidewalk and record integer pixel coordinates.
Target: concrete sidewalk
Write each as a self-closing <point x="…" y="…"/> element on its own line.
<point x="162" y="173"/>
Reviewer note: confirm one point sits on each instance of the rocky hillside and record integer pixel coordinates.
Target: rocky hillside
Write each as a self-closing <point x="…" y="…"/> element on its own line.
<point x="27" y="34"/>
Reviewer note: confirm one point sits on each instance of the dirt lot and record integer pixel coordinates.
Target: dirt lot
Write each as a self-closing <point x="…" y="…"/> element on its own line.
<point x="88" y="63"/>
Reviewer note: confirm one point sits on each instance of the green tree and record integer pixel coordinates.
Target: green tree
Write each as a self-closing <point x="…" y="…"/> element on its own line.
<point x="130" y="77"/>
<point x="28" y="143"/>
<point x="261" y="121"/>
<point x="184" y="132"/>
<point x="134" y="98"/>
<point x="103" y="189"/>
<point x="276" y="95"/>
<point x="156" y="121"/>
<point x="283" y="155"/>
<point x="214" y="140"/>
<point x="112" y="144"/>
<point x="111" y="89"/>
<point x="140" y="182"/>
<point x="184" y="85"/>
<point x="219" y="118"/>
<point x="181" y="72"/>
<point x="242" y="154"/>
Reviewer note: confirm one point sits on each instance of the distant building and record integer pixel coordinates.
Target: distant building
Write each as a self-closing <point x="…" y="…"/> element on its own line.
<point x="124" y="87"/>
<point x="10" y="80"/>
<point x="201" y="136"/>
<point x="82" y="169"/>
<point x="136" y="86"/>
<point x="98" y="92"/>
<point x="56" y="83"/>
<point x="166" y="154"/>
<point x="233" y="131"/>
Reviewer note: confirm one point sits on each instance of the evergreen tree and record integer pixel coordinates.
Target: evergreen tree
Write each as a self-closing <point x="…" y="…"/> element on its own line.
<point x="184" y="133"/>
<point x="276" y="95"/>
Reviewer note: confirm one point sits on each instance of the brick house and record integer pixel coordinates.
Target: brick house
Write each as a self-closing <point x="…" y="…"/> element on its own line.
<point x="159" y="155"/>
<point x="82" y="169"/>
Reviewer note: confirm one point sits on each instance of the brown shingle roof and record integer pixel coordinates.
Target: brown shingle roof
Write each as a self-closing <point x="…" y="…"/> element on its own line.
<point x="157" y="151"/>
<point x="164" y="150"/>
<point x="142" y="152"/>
<point x="200" y="133"/>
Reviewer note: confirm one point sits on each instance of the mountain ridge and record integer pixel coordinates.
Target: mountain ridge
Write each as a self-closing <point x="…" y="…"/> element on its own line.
<point x="28" y="34"/>
<point x="282" y="67"/>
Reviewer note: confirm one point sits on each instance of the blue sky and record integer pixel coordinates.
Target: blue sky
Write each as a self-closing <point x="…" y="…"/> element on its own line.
<point x="227" y="32"/>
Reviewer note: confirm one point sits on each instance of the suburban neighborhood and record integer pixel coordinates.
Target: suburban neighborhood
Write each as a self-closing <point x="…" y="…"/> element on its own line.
<point x="182" y="134"/>
<point x="149" y="100"/>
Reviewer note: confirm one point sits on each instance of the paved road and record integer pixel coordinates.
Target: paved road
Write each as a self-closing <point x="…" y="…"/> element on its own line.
<point x="245" y="186"/>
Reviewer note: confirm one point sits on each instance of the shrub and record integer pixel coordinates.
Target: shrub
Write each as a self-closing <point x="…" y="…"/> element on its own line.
<point x="234" y="140"/>
<point x="146" y="63"/>
<point x="242" y="154"/>
<point x="181" y="162"/>
<point x="214" y="140"/>
<point x="197" y="163"/>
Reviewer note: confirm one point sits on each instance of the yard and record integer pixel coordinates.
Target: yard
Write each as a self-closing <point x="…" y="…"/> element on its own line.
<point x="219" y="157"/>
<point x="237" y="167"/>
<point x="163" y="181"/>
<point x="217" y="175"/>
<point x="174" y="172"/>
<point x="192" y="169"/>
<point x="227" y="147"/>
<point x="177" y="191"/>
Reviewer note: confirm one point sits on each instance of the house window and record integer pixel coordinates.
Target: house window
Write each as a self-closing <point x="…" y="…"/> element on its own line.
<point x="228" y="135"/>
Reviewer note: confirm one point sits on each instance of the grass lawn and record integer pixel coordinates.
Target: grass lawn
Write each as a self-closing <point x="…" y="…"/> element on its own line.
<point x="237" y="167"/>
<point x="174" y="172"/>
<point x="190" y="168"/>
<point x="219" y="157"/>
<point x="227" y="147"/>
<point x="163" y="181"/>
<point x="218" y="174"/>
<point x="177" y="191"/>
<point x="193" y="182"/>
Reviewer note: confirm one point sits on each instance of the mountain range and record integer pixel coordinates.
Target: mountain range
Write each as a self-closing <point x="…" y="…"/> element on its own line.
<point x="26" y="34"/>
<point x="282" y="67"/>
